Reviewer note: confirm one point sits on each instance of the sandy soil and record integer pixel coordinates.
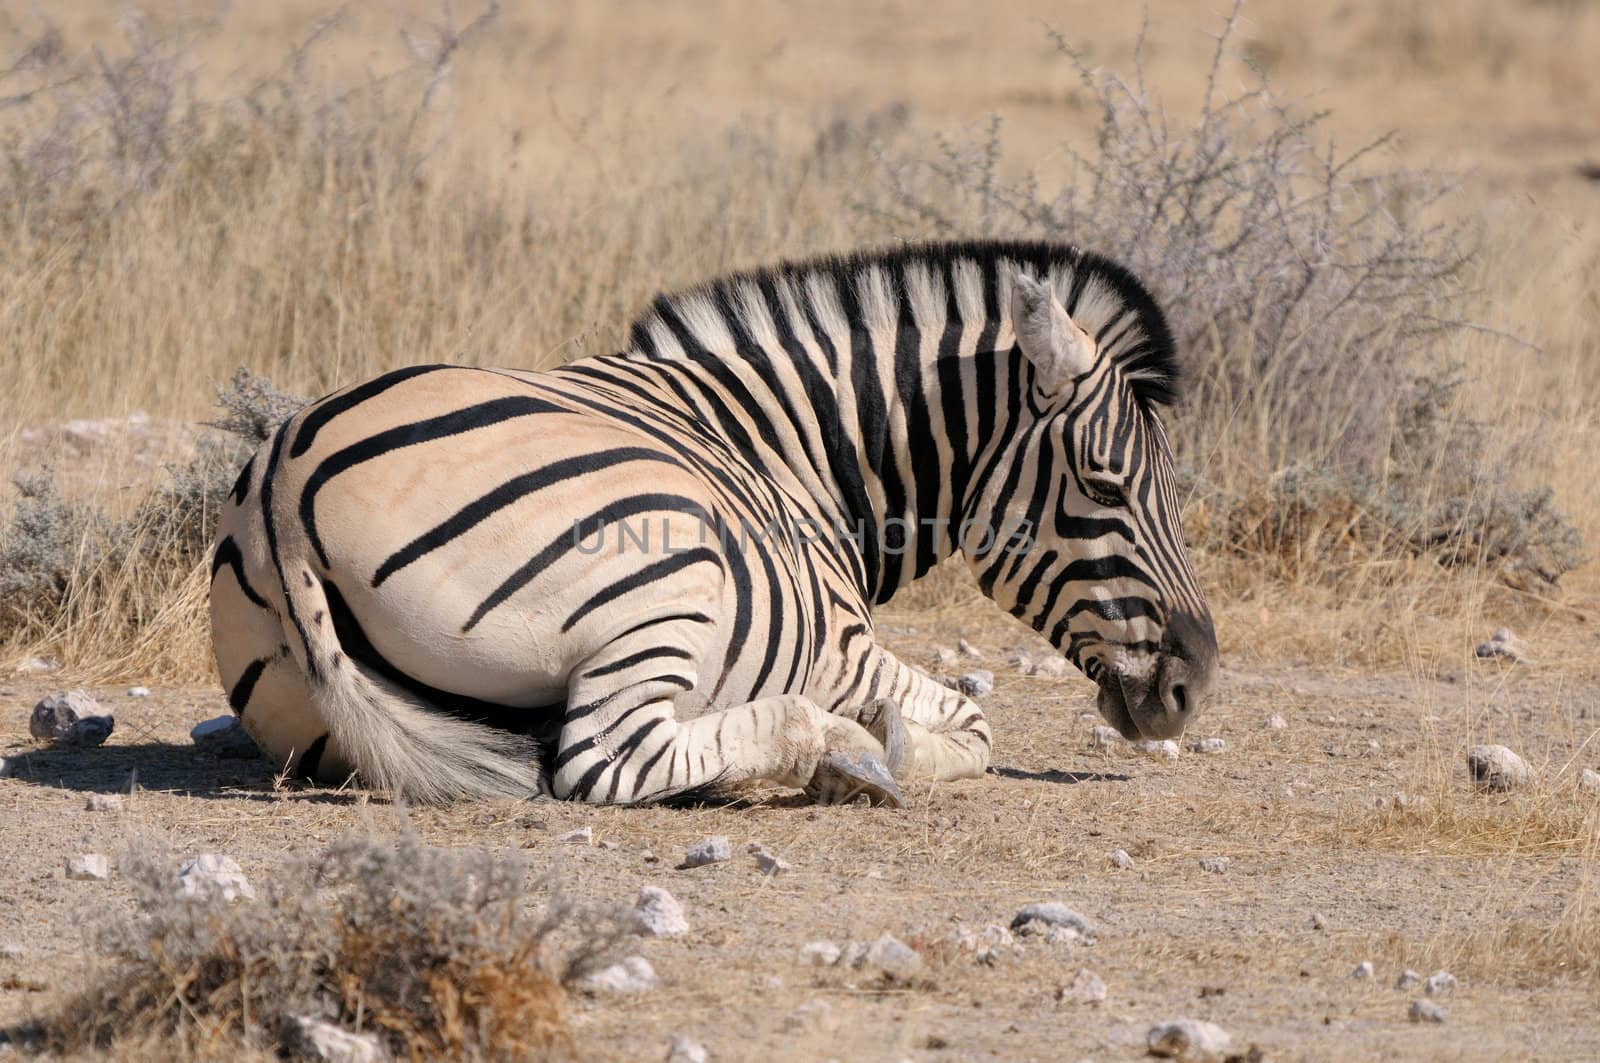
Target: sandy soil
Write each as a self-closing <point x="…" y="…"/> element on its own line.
<point x="1494" y="888"/>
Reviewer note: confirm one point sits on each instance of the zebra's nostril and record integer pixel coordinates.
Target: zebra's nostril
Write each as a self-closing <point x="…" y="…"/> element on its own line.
<point x="1180" y="699"/>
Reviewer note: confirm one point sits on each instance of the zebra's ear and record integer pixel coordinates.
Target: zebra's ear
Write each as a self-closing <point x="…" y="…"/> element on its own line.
<point x="1058" y="349"/>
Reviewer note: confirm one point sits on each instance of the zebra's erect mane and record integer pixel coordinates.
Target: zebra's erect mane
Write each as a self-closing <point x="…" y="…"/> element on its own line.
<point x="880" y="289"/>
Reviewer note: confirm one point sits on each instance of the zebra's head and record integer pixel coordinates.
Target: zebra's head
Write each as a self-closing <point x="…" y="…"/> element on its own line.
<point x="1100" y="568"/>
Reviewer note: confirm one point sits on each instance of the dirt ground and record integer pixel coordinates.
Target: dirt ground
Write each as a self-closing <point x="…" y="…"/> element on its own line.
<point x="1496" y="889"/>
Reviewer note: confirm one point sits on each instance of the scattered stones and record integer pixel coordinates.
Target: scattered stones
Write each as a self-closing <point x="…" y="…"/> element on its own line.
<point x="1504" y="645"/>
<point x="1189" y="1040"/>
<point x="1497" y="769"/>
<point x="1277" y="723"/>
<point x="224" y="736"/>
<point x="138" y="692"/>
<point x="1407" y="979"/>
<point x="659" y="913"/>
<point x="581" y="836"/>
<point x="103" y="803"/>
<point x="685" y="1050"/>
<point x="1052" y="921"/>
<point x="1105" y="738"/>
<point x="819" y="954"/>
<point x="1364" y="969"/>
<point x="1427" y="1011"/>
<point x="712" y="850"/>
<point x="967" y="649"/>
<point x="769" y="863"/>
<point x="1121" y="859"/>
<point x="88" y="867"/>
<point x="631" y="976"/>
<point x="1589" y="781"/>
<point x="55" y="714"/>
<point x="1167" y="749"/>
<point x="893" y="957"/>
<point x="1319" y="921"/>
<point x="209" y="875"/>
<point x="1216" y="865"/>
<point x="1210" y="745"/>
<point x="319" y="1040"/>
<point x="1086" y="988"/>
<point x="1439" y="983"/>
<point x="979" y="684"/>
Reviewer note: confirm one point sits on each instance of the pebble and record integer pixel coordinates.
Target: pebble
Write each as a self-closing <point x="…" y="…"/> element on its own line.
<point x="1589" y="781"/>
<point x="659" y="913"/>
<point x="685" y="1050"/>
<point x="969" y="650"/>
<point x="1427" y="1011"/>
<point x="1053" y="921"/>
<point x="1363" y="969"/>
<point x="893" y="957"/>
<point x="138" y="692"/>
<point x="1189" y="1040"/>
<point x="1053" y="666"/>
<point x="1277" y="723"/>
<point x="8" y="767"/>
<point x="1121" y="859"/>
<point x="209" y="875"/>
<point x="1086" y="988"/>
<point x="1166" y="748"/>
<point x="986" y="944"/>
<point x="632" y="975"/>
<point x="1497" y="769"/>
<point x="1439" y="983"/>
<point x="979" y="684"/>
<point x="224" y="736"/>
<point x="1216" y="865"/>
<point x="581" y="836"/>
<point x="12" y="951"/>
<point x="89" y="732"/>
<point x="54" y="715"/>
<point x="648" y="856"/>
<point x="819" y="954"/>
<point x="944" y="657"/>
<point x="88" y="867"/>
<point x="811" y="1014"/>
<point x="769" y="863"/>
<point x="1105" y="738"/>
<point x="1319" y="921"/>
<point x="712" y="850"/>
<point x="1503" y="644"/>
<point x="315" y="1039"/>
<point x="1407" y="979"/>
<point x="103" y="803"/>
<point x="37" y="666"/>
<point x="1210" y="745"/>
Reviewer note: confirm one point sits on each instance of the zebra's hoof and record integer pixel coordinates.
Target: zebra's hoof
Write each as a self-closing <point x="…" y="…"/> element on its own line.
<point x="842" y="777"/>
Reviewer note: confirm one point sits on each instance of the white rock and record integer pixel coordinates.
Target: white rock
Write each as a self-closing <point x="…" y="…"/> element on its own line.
<point x="1439" y="983"/>
<point x="684" y="1050"/>
<point x="224" y="736"/>
<point x="581" y="836"/>
<point x="659" y="913"/>
<point x="1167" y="749"/>
<point x="37" y="666"/>
<point x="986" y="944"/>
<point x="812" y="1014"/>
<point x="1053" y="921"/>
<point x="1363" y="969"/>
<point x="1216" y="865"/>
<point x="1105" y="738"/>
<point x="10" y="950"/>
<point x="210" y="875"/>
<point x="1086" y="988"/>
<point x="1051" y="666"/>
<point x="1589" y="781"/>
<point x="103" y="803"/>
<point x="1505" y="645"/>
<point x="893" y="957"/>
<point x="1277" y="723"/>
<point x="854" y="954"/>
<point x="944" y="657"/>
<point x="1121" y="859"/>
<point x="314" y="1039"/>
<point x="712" y="850"/>
<point x="967" y="649"/>
<point x="1497" y="769"/>
<point x="138" y="692"/>
<point x="819" y="954"/>
<point x="767" y="862"/>
<point x="1189" y="1040"/>
<point x="88" y="867"/>
<point x="8" y="767"/>
<point x="979" y="684"/>
<point x="1319" y="921"/>
<point x="1210" y="745"/>
<point x="1427" y="1011"/>
<point x="54" y="714"/>
<point x="1407" y="979"/>
<point x="632" y="975"/>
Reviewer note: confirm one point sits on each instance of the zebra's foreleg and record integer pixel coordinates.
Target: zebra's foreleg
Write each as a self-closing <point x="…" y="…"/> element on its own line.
<point x="944" y="733"/>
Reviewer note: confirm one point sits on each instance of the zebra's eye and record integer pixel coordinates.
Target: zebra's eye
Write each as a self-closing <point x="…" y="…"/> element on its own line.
<point x="1105" y="490"/>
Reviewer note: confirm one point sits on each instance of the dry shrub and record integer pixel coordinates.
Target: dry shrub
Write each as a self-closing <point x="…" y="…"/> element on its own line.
<point x="432" y="950"/>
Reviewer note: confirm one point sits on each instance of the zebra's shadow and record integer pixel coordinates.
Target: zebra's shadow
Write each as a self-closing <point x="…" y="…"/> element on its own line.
<point x="163" y="767"/>
<point x="1056" y="775"/>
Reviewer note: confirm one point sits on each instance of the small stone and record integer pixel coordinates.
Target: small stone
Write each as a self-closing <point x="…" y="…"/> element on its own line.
<point x="986" y="944"/>
<point x="967" y="649"/>
<point x="224" y="736"/>
<point x="1120" y="859"/>
<point x="1189" y="1040"/>
<point x="88" y="867"/>
<point x="1589" y="781"/>
<point x="632" y="975"/>
<point x="1439" y="983"/>
<point x="103" y="803"/>
<point x="979" y="684"/>
<point x="1504" y="645"/>
<point x="54" y="715"/>
<point x="1277" y="723"/>
<point x="1363" y="969"/>
<point x="90" y="731"/>
<point x="769" y="863"/>
<point x="323" y="1041"/>
<point x="854" y="954"/>
<point x="684" y="1050"/>
<point x="893" y="957"/>
<point x="819" y="954"/>
<point x="581" y="836"/>
<point x="649" y="857"/>
<point x="1210" y="745"/>
<point x="8" y="767"/>
<point x="138" y="692"/>
<point x="813" y="1014"/>
<point x="1051" y="666"/>
<point x="1427" y="1011"/>
<point x="1497" y="769"/>
<point x="1086" y="988"/>
<point x="10" y="950"/>
<point x="1167" y="749"/>
<point x="1053" y="921"/>
<point x="712" y="850"/>
<point x="944" y="657"/>
<point x="1216" y="865"/>
<point x="1319" y="921"/>
<point x="37" y="666"/>
<point x="209" y="875"/>
<point x="659" y="913"/>
<point x="1105" y="738"/>
<point x="1407" y="979"/>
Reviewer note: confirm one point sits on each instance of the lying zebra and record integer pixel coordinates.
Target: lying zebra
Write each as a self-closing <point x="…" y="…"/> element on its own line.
<point x="648" y="574"/>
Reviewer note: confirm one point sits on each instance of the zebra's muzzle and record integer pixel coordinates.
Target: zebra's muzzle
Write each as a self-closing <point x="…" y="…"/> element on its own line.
<point x="1159" y="701"/>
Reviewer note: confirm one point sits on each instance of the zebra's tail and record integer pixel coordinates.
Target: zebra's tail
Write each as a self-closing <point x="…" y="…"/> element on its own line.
<point x="392" y="739"/>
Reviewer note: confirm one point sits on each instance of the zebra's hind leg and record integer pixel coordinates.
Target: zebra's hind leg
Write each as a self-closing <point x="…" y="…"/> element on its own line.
<point x="643" y="754"/>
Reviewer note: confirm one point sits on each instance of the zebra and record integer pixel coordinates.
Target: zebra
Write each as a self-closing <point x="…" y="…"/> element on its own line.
<point x="646" y="575"/>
